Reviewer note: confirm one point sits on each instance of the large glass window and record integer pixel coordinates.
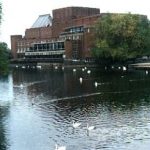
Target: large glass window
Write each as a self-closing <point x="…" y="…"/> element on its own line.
<point x="47" y="47"/>
<point x="44" y="46"/>
<point x="50" y="46"/>
<point x="39" y="47"/>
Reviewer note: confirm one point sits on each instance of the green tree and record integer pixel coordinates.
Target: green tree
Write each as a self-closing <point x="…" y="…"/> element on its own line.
<point x="4" y="55"/>
<point x="4" y="52"/>
<point x="122" y="36"/>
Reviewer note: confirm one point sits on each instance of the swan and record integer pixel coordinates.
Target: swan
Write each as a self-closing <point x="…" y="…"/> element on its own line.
<point x="75" y="124"/>
<point x="60" y="147"/>
<point x="74" y="70"/>
<point x="81" y="79"/>
<point x="124" y="68"/>
<point x="21" y="86"/>
<point x="56" y="67"/>
<point x="89" y="128"/>
<point x="39" y="67"/>
<point x="146" y="71"/>
<point x="96" y="84"/>
<point x="23" y="67"/>
<point x="89" y="71"/>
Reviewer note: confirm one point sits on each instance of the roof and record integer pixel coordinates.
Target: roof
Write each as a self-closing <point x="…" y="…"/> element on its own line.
<point x="43" y="21"/>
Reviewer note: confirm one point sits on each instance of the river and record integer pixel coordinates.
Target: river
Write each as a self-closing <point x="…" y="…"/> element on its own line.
<point x="37" y="108"/>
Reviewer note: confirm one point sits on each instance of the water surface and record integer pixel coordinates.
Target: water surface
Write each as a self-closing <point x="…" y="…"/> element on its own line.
<point x="37" y="108"/>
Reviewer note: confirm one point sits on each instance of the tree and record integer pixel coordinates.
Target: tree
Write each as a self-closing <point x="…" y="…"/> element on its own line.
<point x="122" y="36"/>
<point x="4" y="55"/>
<point x="4" y="52"/>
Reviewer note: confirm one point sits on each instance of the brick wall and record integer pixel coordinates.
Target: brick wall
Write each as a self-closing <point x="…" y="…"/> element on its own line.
<point x="14" y="40"/>
<point x="38" y="33"/>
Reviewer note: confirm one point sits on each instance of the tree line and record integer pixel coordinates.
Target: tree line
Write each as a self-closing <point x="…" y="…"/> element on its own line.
<point x="4" y="52"/>
<point x="119" y="37"/>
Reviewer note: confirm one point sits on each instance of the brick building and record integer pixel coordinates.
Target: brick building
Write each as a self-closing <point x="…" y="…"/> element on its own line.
<point x="68" y="34"/>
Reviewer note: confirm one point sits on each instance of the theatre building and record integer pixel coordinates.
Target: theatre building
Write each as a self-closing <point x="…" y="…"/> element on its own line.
<point x="67" y="34"/>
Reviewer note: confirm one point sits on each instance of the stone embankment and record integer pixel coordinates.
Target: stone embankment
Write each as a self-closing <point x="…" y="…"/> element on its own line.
<point x="140" y="65"/>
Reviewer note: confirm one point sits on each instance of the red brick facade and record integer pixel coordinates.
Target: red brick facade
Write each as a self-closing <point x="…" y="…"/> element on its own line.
<point x="71" y="25"/>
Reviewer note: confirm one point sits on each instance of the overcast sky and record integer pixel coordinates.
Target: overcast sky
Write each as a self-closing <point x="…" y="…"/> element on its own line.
<point x="19" y="15"/>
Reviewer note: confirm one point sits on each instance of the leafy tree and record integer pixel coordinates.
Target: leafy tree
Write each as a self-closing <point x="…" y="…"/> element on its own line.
<point x="4" y="55"/>
<point x="4" y="52"/>
<point x="122" y="36"/>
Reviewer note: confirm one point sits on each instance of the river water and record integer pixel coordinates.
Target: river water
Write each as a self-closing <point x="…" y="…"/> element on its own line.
<point x="37" y="108"/>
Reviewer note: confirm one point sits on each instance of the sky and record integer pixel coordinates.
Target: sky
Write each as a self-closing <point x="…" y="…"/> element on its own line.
<point x="19" y="15"/>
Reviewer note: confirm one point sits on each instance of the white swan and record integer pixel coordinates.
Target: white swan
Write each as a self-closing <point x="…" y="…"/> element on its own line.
<point x="81" y="79"/>
<point x="21" y="86"/>
<point x="75" y="124"/>
<point x="60" y="147"/>
<point x="83" y="69"/>
<point x="74" y="70"/>
<point x="89" y="128"/>
<point x="124" y="68"/>
<point x="39" y="67"/>
<point x="89" y="71"/>
<point x="56" y="67"/>
<point x="96" y="84"/>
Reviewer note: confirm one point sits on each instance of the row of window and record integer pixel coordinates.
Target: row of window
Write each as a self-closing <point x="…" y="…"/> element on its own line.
<point x="44" y="56"/>
<point x="75" y="29"/>
<point x="47" y="47"/>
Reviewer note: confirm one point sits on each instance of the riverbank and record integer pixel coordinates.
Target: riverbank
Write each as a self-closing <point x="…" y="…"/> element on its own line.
<point x="140" y="65"/>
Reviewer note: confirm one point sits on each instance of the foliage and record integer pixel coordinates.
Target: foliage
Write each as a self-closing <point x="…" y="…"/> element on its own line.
<point x="4" y="55"/>
<point x="122" y="36"/>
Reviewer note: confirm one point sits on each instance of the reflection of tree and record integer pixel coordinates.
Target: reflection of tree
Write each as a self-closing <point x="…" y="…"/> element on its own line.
<point x="119" y="95"/>
<point x="3" y="133"/>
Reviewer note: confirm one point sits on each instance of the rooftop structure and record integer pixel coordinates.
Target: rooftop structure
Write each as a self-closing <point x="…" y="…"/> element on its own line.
<point x="43" y="21"/>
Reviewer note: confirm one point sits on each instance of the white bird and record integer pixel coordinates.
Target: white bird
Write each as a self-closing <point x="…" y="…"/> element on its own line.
<point x="146" y="71"/>
<point x="74" y="70"/>
<point x="89" y="71"/>
<point x="89" y="128"/>
<point x="60" y="147"/>
<point x="96" y="84"/>
<point x="39" y="67"/>
<point x="124" y="68"/>
<point x="21" y="86"/>
<point x="83" y="69"/>
<point x="56" y="67"/>
<point x="75" y="124"/>
<point x="80" y="80"/>
<point x="23" y="67"/>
